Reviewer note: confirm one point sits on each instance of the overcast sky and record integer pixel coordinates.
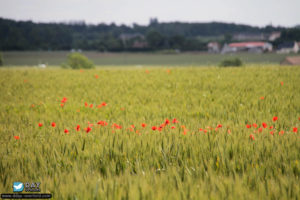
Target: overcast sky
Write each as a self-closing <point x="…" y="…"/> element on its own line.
<point x="253" y="12"/>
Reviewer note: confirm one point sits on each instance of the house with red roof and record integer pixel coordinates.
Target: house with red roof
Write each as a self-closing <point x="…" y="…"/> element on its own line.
<point x="255" y="47"/>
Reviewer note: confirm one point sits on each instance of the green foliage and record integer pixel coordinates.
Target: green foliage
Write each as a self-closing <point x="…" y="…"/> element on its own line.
<point x="124" y="164"/>
<point x="1" y="59"/>
<point x="288" y="35"/>
<point x="104" y="37"/>
<point x="155" y="39"/>
<point x="78" y="61"/>
<point x="231" y="62"/>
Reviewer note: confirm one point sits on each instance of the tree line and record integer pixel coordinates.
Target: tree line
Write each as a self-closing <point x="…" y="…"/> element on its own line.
<point x="26" y="35"/>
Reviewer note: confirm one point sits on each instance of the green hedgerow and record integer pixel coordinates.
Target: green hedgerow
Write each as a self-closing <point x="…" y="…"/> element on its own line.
<point x="78" y="61"/>
<point x="233" y="62"/>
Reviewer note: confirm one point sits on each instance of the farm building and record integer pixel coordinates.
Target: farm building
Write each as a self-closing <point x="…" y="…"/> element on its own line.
<point x="295" y="60"/>
<point x="288" y="47"/>
<point x="255" y="47"/>
<point x="213" y="47"/>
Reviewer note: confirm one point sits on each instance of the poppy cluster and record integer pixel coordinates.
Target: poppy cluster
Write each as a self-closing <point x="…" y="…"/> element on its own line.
<point x="271" y="128"/>
<point x="164" y="124"/>
<point x="98" y="106"/>
<point x="63" y="101"/>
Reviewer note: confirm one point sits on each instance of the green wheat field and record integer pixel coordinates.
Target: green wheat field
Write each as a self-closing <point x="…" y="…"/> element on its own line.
<point x="152" y="132"/>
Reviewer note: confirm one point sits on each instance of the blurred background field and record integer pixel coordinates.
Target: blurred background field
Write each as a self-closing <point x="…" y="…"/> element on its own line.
<point x="19" y="58"/>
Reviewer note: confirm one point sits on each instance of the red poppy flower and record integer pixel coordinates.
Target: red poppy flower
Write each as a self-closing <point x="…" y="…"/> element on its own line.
<point x="229" y="131"/>
<point x="16" y="137"/>
<point x="64" y="100"/>
<point x="85" y="104"/>
<point x="167" y="122"/>
<point x="40" y="124"/>
<point x="272" y="132"/>
<point x="91" y="105"/>
<point x="116" y="126"/>
<point x="88" y="129"/>
<point x="174" y="121"/>
<point x="260" y="130"/>
<point x="275" y="119"/>
<point x="132" y="126"/>
<point x="248" y="125"/>
<point x="200" y="129"/>
<point x="254" y="125"/>
<point x="102" y="123"/>
<point x="173" y="127"/>
<point x="78" y="128"/>
<point x="53" y="124"/>
<point x="281" y="82"/>
<point x="104" y="104"/>
<point x="159" y="128"/>
<point x="62" y="105"/>
<point x="271" y="127"/>
<point x="262" y="98"/>
<point x="295" y="129"/>
<point x="66" y="131"/>
<point x="162" y="125"/>
<point x="154" y="128"/>
<point x="281" y="133"/>
<point x="96" y="76"/>
<point x="264" y="125"/>
<point x="219" y="126"/>
<point x="205" y="131"/>
<point x="251" y="137"/>
<point x="144" y="125"/>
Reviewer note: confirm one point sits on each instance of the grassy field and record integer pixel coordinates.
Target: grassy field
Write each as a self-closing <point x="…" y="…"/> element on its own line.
<point x="130" y="59"/>
<point x="201" y="148"/>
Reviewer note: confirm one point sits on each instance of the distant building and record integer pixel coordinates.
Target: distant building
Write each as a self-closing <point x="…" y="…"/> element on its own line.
<point x="139" y="44"/>
<point x="213" y="47"/>
<point x="132" y="39"/>
<point x="288" y="47"/>
<point x="129" y="36"/>
<point x="295" y="60"/>
<point x="274" y="35"/>
<point x="249" y="37"/>
<point x="255" y="47"/>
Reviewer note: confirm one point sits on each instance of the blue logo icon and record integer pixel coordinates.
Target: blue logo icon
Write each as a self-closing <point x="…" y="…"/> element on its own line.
<point x="18" y="186"/>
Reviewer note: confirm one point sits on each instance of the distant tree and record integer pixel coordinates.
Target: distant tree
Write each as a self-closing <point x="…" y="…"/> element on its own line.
<point x="78" y="61"/>
<point x="288" y="35"/>
<point x="26" y="35"/>
<point x="177" y="42"/>
<point x="227" y="38"/>
<point x="155" y="39"/>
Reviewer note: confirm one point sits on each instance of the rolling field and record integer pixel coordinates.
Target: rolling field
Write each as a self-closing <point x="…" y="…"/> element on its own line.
<point x="152" y="133"/>
<point x="131" y="59"/>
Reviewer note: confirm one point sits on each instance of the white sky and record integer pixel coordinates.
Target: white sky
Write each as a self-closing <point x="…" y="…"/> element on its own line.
<point x="252" y="12"/>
